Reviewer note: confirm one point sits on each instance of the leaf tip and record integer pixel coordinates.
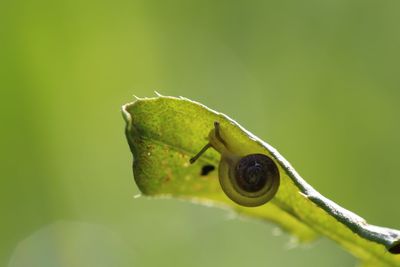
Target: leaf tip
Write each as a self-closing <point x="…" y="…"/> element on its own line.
<point x="126" y="115"/>
<point x="395" y="249"/>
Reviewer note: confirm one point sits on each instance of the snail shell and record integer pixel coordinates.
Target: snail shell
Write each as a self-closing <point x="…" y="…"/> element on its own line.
<point x="249" y="181"/>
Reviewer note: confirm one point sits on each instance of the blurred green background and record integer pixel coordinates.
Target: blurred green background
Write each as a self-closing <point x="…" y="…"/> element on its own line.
<point x="319" y="80"/>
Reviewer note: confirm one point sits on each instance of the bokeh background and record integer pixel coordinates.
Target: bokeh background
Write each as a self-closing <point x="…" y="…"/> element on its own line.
<point x="319" y="80"/>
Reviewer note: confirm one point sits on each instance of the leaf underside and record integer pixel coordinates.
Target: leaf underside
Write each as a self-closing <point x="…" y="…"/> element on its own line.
<point x="165" y="132"/>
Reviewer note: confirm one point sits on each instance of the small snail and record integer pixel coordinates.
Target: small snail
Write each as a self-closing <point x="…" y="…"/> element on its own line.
<point x="250" y="180"/>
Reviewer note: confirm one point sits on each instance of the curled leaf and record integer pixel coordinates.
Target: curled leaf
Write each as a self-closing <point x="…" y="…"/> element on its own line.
<point x="165" y="132"/>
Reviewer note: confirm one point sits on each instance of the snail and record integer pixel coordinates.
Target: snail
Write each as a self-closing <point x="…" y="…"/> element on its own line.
<point x="251" y="180"/>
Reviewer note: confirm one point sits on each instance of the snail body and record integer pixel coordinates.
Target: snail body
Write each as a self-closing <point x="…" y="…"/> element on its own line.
<point x="248" y="179"/>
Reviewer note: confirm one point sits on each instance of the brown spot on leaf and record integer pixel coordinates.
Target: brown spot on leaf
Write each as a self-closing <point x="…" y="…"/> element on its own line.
<point x="207" y="169"/>
<point x="395" y="249"/>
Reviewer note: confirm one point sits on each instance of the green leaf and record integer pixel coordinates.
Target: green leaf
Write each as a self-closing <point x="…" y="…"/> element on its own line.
<point x="165" y="132"/>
